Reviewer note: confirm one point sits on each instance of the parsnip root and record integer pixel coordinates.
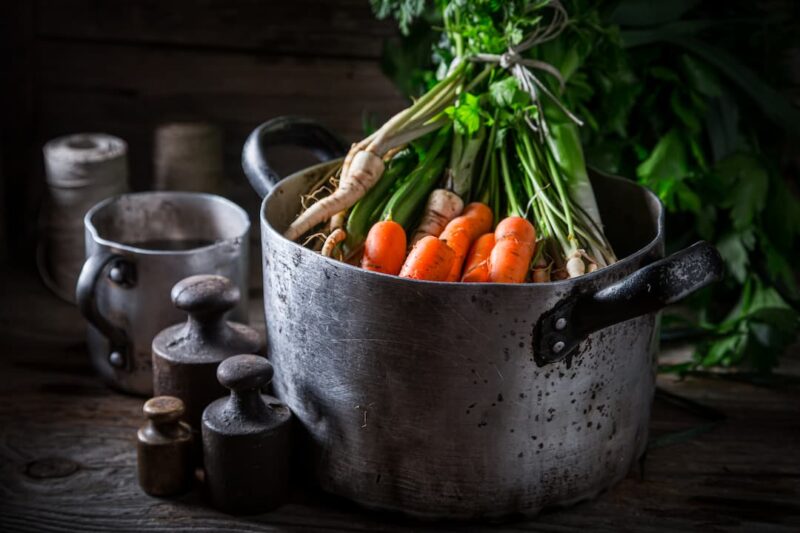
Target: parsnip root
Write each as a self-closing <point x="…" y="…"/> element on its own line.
<point x="336" y="236"/>
<point x="575" y="264"/>
<point x="357" y="178"/>
<point x="442" y="207"/>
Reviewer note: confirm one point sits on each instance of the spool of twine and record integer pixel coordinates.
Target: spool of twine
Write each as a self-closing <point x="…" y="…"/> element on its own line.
<point x="188" y="157"/>
<point x="81" y="170"/>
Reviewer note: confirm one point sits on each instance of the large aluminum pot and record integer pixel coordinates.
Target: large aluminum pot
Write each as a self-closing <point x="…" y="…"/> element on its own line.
<point x="467" y="400"/>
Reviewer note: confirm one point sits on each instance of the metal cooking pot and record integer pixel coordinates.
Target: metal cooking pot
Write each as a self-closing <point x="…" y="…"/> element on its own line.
<point x="456" y="400"/>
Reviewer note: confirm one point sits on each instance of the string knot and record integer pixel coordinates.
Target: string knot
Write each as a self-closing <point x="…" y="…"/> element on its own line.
<point x="521" y="68"/>
<point x="509" y="58"/>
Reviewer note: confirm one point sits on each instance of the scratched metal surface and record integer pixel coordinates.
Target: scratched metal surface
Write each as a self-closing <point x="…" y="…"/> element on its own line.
<point x="145" y="309"/>
<point x="425" y="397"/>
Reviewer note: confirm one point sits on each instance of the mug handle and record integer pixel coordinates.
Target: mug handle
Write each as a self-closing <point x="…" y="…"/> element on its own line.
<point x="560" y="330"/>
<point x="122" y="273"/>
<point x="295" y="131"/>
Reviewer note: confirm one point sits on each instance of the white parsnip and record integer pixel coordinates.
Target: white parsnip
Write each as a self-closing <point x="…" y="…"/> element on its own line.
<point x="336" y="236"/>
<point x="363" y="165"/>
<point x="442" y="207"/>
<point x="364" y="170"/>
<point x="575" y="265"/>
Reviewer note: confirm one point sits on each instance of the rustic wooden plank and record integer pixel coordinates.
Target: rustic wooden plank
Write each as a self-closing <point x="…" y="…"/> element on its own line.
<point x="307" y="27"/>
<point x="128" y="90"/>
<point x="67" y="460"/>
<point x="180" y="74"/>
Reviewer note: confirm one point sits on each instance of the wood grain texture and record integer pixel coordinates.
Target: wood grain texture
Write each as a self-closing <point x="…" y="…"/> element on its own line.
<point x="67" y="457"/>
<point x="125" y="67"/>
<point x="342" y="28"/>
<point x="128" y="90"/>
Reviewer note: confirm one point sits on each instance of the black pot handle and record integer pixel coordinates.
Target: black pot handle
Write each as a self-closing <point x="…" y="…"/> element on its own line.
<point x="560" y="330"/>
<point x="296" y="131"/>
<point x="122" y="272"/>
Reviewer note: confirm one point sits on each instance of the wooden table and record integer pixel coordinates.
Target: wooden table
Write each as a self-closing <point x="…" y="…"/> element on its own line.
<point x="67" y="456"/>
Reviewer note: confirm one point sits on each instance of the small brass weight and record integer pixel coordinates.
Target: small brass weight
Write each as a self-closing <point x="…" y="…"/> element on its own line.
<point x="164" y="448"/>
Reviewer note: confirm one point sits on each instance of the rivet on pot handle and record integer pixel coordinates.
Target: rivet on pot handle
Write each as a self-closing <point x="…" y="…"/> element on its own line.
<point x="285" y="130"/>
<point x="560" y="330"/>
<point x="122" y="273"/>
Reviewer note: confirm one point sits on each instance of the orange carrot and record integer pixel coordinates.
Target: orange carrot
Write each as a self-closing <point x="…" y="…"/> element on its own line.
<point x="513" y="250"/>
<point x="476" y="267"/>
<point x="429" y="259"/>
<point x="480" y="212"/>
<point x="385" y="248"/>
<point x="460" y="232"/>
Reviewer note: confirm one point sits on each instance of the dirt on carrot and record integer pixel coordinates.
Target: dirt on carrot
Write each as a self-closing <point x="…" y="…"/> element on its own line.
<point x="463" y="230"/>
<point x="509" y="261"/>
<point x="430" y="259"/>
<point x="385" y="248"/>
<point x="476" y="266"/>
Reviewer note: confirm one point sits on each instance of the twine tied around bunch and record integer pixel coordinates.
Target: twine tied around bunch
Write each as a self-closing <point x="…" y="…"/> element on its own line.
<point x="521" y="68"/>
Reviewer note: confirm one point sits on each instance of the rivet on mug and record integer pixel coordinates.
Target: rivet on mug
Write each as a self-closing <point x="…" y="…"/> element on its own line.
<point x="116" y="359"/>
<point x="557" y="347"/>
<point x="116" y="275"/>
<point x="561" y="323"/>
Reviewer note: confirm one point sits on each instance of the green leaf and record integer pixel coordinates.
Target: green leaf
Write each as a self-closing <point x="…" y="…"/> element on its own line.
<point x="733" y="249"/>
<point x="771" y="102"/>
<point x="667" y="161"/>
<point x="466" y="114"/>
<point x="605" y="156"/>
<point x="685" y="113"/>
<point x="724" y="350"/>
<point x="664" y="74"/>
<point x="722" y="123"/>
<point x="765" y="297"/>
<point x="688" y="200"/>
<point x="506" y="93"/>
<point x="757" y="330"/>
<point x="777" y="108"/>
<point x="749" y="200"/>
<point x="700" y="77"/>
<point x="404" y="60"/>
<point x="706" y="221"/>
<point x="404" y="11"/>
<point x="697" y="152"/>
<point x="664" y="171"/>
<point x="747" y="188"/>
<point x="782" y="215"/>
<point x="778" y="268"/>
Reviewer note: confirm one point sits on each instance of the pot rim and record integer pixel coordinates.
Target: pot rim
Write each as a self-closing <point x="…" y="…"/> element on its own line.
<point x="214" y="198"/>
<point x="588" y="277"/>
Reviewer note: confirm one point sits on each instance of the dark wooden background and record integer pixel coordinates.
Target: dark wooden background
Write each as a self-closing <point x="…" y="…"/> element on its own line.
<point x="124" y="66"/>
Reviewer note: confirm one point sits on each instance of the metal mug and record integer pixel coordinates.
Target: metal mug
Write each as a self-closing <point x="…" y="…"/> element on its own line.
<point x="466" y="400"/>
<point x="137" y="247"/>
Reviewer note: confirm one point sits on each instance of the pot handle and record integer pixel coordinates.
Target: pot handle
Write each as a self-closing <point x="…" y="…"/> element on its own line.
<point x="122" y="273"/>
<point x="649" y="289"/>
<point x="296" y="131"/>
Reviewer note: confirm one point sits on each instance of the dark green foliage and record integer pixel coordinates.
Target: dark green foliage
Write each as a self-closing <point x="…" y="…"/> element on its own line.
<point x="685" y="97"/>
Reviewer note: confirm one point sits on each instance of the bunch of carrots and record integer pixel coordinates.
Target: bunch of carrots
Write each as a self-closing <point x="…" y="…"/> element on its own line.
<point x="460" y="248"/>
<point x="491" y="133"/>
